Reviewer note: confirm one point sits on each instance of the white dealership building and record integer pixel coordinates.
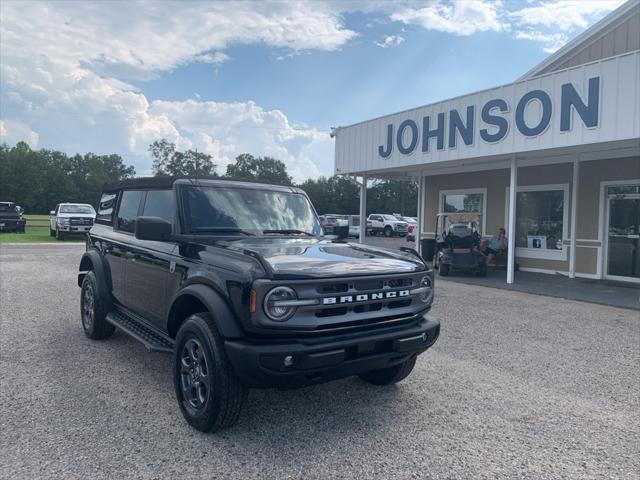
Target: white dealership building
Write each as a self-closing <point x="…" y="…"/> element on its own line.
<point x="554" y="157"/>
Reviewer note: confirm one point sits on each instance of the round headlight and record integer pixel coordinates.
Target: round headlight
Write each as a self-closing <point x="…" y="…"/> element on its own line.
<point x="275" y="304"/>
<point x="427" y="295"/>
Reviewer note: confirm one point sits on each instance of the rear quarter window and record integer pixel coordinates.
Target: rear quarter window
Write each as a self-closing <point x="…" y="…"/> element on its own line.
<point x="105" y="208"/>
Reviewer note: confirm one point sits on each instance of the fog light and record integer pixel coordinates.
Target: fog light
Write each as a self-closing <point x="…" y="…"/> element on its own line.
<point x="288" y="361"/>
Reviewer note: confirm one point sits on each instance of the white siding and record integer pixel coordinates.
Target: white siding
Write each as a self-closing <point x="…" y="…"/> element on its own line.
<point x="357" y="145"/>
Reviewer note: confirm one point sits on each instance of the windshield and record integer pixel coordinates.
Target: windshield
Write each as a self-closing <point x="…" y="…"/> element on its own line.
<point x="76" y="209"/>
<point x="208" y="209"/>
<point x="390" y="217"/>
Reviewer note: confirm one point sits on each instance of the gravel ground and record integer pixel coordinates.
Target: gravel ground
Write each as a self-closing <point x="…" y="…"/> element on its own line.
<point x="518" y="386"/>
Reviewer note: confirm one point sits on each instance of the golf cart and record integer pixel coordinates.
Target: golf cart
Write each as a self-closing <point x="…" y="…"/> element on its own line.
<point x="458" y="243"/>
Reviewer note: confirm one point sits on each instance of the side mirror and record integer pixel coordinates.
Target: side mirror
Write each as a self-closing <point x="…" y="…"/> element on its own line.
<point x="52" y="212"/>
<point x="153" y="228"/>
<point x="341" y="230"/>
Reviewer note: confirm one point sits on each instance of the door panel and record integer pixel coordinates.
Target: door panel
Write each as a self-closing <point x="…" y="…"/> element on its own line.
<point x="147" y="273"/>
<point x="623" y="242"/>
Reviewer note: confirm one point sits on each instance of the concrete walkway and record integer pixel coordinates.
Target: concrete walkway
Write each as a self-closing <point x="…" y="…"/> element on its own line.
<point x="603" y="292"/>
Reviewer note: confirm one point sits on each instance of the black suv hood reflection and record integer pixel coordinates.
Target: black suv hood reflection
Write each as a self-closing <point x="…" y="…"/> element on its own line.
<point x="312" y="257"/>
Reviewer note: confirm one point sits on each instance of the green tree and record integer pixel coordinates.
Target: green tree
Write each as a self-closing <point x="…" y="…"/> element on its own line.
<point x="39" y="179"/>
<point x="264" y="169"/>
<point x="169" y="161"/>
<point x="334" y="194"/>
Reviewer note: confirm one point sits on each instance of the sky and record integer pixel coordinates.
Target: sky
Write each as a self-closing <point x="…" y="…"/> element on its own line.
<point x="266" y="78"/>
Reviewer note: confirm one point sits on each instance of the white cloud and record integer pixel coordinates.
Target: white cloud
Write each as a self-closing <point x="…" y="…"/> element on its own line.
<point x="459" y="17"/>
<point x="63" y="64"/>
<point x="552" y="41"/>
<point x="389" y="41"/>
<point x="564" y="15"/>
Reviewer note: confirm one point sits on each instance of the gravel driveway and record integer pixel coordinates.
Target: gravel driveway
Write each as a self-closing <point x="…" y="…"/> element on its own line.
<point x="518" y="386"/>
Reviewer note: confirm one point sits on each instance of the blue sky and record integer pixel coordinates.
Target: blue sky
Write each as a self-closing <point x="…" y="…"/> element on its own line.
<point x="263" y="78"/>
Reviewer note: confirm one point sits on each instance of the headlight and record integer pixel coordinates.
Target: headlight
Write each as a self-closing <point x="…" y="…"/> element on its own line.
<point x="426" y="287"/>
<point x="63" y="221"/>
<point x="276" y="304"/>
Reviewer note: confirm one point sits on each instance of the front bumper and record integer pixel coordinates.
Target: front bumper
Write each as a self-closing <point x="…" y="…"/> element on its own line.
<point x="261" y="364"/>
<point x="74" y="228"/>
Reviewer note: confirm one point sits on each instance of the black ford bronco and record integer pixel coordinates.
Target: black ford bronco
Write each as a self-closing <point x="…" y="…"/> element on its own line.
<point x="238" y="282"/>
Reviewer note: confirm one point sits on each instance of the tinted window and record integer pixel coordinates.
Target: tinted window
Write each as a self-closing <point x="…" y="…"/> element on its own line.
<point x="128" y="210"/>
<point x="213" y="208"/>
<point x="159" y="203"/>
<point x="105" y="209"/>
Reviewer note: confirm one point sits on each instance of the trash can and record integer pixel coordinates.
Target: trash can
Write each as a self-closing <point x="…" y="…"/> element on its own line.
<point x="428" y="246"/>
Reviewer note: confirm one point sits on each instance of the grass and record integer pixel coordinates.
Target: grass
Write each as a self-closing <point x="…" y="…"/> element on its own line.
<point x="37" y="231"/>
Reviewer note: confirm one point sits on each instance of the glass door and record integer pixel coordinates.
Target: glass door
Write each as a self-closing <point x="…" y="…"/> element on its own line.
<point x="623" y="237"/>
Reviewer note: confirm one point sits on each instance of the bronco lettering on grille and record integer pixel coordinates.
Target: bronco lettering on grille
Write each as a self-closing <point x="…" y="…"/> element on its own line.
<point x="363" y="297"/>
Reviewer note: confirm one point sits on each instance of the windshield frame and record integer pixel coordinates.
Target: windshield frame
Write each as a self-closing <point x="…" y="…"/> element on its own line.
<point x="91" y="210"/>
<point x="185" y="228"/>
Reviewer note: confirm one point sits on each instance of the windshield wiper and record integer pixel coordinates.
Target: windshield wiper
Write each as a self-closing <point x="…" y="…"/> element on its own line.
<point x="288" y="231"/>
<point x="222" y="230"/>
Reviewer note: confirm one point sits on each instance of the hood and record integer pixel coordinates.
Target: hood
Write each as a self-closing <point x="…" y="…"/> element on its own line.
<point x="314" y="258"/>
<point x="76" y="215"/>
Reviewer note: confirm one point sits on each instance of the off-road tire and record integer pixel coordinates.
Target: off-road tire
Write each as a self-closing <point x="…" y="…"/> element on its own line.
<point x="96" y="327"/>
<point x="225" y="394"/>
<point x="59" y="234"/>
<point x="387" y="376"/>
<point x="443" y="269"/>
<point x="388" y="232"/>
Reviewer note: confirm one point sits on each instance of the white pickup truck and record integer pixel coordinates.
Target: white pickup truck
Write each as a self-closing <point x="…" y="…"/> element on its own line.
<point x="388" y="225"/>
<point x="71" y="218"/>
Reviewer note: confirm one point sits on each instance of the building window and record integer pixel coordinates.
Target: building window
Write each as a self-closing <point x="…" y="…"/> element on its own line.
<point x="541" y="221"/>
<point x="471" y="200"/>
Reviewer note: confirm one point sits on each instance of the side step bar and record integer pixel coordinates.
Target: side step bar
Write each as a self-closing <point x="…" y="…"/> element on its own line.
<point x="149" y="336"/>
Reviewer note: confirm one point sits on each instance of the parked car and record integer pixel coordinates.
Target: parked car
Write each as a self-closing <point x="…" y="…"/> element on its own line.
<point x="352" y="220"/>
<point x="387" y="225"/>
<point x="412" y="223"/>
<point x="11" y="218"/>
<point x="245" y="297"/>
<point x="71" y="219"/>
<point x="328" y="222"/>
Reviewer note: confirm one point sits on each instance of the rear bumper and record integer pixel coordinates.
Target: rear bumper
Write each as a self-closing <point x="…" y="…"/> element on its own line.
<point x="12" y="225"/>
<point x="261" y="365"/>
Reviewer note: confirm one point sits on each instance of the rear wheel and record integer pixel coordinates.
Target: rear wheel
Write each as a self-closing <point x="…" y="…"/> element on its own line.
<point x="443" y="269"/>
<point x="387" y="376"/>
<point x="208" y="391"/>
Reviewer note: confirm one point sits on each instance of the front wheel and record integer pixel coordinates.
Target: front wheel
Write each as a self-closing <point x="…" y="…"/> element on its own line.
<point x="59" y="234"/>
<point x="389" y="375"/>
<point x="388" y="232"/>
<point x="208" y="391"/>
<point x="92" y="310"/>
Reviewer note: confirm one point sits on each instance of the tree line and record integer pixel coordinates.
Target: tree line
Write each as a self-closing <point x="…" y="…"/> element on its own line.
<point x="39" y="179"/>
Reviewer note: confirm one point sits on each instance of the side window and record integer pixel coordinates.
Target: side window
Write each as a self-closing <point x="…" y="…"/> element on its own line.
<point x="128" y="210"/>
<point x="160" y="203"/>
<point x="105" y="208"/>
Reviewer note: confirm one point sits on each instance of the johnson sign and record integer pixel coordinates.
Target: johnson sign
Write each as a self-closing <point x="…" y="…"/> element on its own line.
<point x="491" y="121"/>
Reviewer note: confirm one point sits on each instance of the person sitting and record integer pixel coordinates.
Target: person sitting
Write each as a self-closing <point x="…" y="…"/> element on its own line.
<point x="497" y="244"/>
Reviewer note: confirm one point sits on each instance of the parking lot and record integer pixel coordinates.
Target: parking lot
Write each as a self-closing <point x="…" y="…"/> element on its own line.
<point x="518" y="386"/>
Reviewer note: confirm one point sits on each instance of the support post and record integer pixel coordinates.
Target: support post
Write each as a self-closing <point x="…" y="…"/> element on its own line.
<point x="511" y="237"/>
<point x="363" y="209"/>
<point x="422" y="184"/>
<point x="574" y="216"/>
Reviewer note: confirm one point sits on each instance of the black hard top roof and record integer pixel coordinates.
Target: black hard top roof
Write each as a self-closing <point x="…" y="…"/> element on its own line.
<point x="168" y="182"/>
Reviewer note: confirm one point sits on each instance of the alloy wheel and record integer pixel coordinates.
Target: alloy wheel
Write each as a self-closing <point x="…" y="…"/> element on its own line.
<point x="194" y="374"/>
